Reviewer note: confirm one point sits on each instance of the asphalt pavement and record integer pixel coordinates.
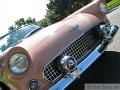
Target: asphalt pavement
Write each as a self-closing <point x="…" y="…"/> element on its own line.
<point x="106" y="70"/>
<point x="114" y="18"/>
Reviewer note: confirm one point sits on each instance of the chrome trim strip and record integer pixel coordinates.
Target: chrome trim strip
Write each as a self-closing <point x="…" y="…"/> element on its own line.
<point x="68" y="79"/>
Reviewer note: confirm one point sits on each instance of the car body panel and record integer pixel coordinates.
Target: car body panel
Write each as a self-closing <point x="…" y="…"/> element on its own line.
<point x="43" y="46"/>
<point x="49" y="46"/>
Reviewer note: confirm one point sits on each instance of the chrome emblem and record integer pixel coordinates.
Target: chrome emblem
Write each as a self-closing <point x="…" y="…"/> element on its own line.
<point x="74" y="28"/>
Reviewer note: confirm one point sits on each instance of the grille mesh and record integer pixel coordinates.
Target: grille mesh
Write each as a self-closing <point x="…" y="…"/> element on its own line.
<point x="50" y="72"/>
<point x="81" y="46"/>
<point x="77" y="49"/>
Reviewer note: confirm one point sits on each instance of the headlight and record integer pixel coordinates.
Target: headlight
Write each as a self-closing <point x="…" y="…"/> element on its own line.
<point x="103" y="8"/>
<point x="19" y="63"/>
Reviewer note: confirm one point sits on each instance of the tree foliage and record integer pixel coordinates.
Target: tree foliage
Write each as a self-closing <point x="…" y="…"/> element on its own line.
<point x="43" y="22"/>
<point x="30" y="20"/>
<point x="21" y="22"/>
<point x="11" y="28"/>
<point x="108" y="1"/>
<point x="59" y="9"/>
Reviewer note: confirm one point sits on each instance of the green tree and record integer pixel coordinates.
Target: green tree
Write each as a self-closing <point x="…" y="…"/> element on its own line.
<point x="43" y="22"/>
<point x="11" y="28"/>
<point x="18" y="24"/>
<point x="30" y="20"/>
<point x="22" y="21"/>
<point x="108" y="1"/>
<point x="59" y="9"/>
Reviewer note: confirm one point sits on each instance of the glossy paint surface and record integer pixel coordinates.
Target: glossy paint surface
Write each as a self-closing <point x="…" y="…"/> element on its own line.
<point x="43" y="46"/>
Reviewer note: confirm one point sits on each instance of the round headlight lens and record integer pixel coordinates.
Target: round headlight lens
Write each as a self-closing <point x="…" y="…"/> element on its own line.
<point x="19" y="63"/>
<point x="103" y="8"/>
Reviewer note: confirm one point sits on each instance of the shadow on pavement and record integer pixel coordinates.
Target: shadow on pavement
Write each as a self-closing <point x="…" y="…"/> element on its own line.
<point x="106" y="70"/>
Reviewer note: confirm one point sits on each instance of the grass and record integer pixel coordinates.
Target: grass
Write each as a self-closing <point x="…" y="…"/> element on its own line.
<point x="112" y="4"/>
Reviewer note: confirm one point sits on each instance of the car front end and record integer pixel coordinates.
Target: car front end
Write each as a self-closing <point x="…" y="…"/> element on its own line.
<point x="55" y="56"/>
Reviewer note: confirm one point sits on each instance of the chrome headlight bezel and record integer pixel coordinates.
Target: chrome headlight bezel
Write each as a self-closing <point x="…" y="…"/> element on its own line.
<point x="14" y="68"/>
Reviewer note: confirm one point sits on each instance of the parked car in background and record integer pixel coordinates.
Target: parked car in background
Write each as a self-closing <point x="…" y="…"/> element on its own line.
<point x="53" y="57"/>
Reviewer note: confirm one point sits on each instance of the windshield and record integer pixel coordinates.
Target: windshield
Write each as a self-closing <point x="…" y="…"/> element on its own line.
<point x="13" y="37"/>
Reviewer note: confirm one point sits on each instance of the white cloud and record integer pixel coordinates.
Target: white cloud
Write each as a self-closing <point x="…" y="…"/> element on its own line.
<point x="11" y="10"/>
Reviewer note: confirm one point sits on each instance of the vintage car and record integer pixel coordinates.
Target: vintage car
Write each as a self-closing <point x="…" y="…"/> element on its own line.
<point x="54" y="57"/>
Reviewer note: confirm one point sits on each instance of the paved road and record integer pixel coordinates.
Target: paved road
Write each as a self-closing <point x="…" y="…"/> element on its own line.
<point x="114" y="17"/>
<point x="107" y="68"/>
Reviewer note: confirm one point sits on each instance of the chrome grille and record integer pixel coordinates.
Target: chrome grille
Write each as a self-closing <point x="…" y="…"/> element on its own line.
<point x="77" y="49"/>
<point x="81" y="46"/>
<point x="50" y="72"/>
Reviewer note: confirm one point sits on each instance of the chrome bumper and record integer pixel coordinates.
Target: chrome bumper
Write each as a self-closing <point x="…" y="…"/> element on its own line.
<point x="68" y="79"/>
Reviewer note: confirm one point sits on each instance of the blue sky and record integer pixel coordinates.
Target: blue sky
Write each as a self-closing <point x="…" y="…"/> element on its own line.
<point x="11" y="10"/>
